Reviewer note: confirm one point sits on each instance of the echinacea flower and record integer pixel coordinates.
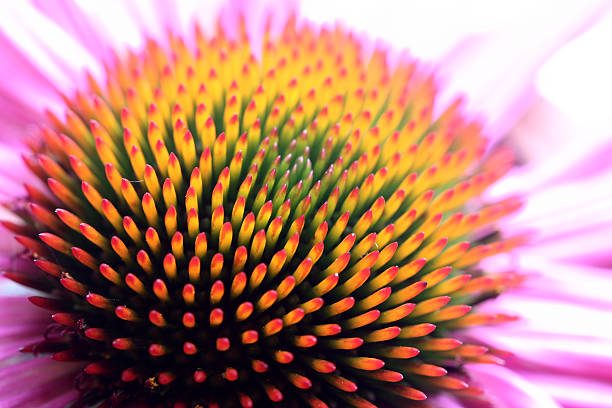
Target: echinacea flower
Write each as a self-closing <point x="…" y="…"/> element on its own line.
<point x="235" y="221"/>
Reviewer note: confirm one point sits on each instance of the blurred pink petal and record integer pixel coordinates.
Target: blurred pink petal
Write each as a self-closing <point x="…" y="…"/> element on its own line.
<point x="572" y="218"/>
<point x="573" y="391"/>
<point x="501" y="84"/>
<point x="509" y="390"/>
<point x="576" y="79"/>
<point x="71" y="18"/>
<point x="39" y="382"/>
<point x="17" y="110"/>
<point x="62" y="57"/>
<point x="562" y="333"/>
<point x="48" y="384"/>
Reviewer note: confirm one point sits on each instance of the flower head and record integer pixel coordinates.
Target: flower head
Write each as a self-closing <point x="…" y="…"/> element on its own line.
<point x="235" y="224"/>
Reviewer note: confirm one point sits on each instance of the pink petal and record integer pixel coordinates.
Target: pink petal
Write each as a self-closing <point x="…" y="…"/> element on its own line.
<point x="68" y="15"/>
<point x="20" y="323"/>
<point x="43" y="41"/>
<point x="556" y="148"/>
<point x="39" y="382"/>
<point x="13" y="172"/>
<point x="506" y="389"/>
<point x="571" y="218"/>
<point x="583" y="98"/>
<point x="18" y="109"/>
<point x="496" y="69"/>
<point x="573" y="391"/>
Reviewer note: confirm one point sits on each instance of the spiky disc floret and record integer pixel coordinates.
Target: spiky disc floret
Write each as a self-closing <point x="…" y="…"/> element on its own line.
<point x="224" y="230"/>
